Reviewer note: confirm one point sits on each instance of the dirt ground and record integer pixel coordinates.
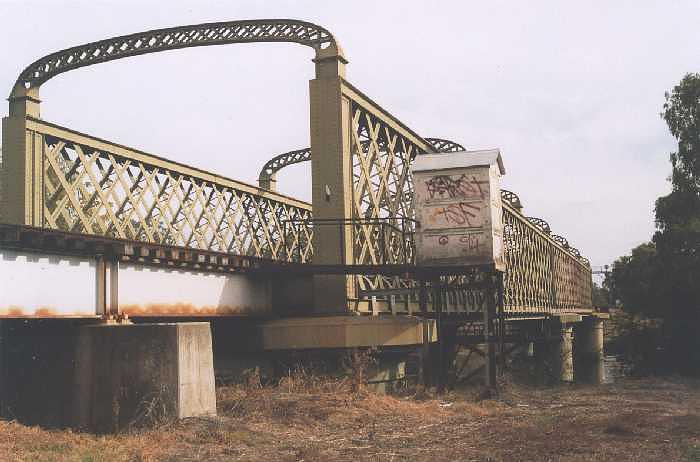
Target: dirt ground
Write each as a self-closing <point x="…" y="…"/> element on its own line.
<point x="637" y="419"/>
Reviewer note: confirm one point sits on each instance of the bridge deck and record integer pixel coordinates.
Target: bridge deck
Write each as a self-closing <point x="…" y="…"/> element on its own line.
<point x="137" y="254"/>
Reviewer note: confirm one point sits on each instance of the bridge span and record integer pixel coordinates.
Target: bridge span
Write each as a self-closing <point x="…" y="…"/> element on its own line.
<point x="96" y="231"/>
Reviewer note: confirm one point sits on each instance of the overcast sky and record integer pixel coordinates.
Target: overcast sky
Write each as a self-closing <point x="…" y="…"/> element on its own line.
<point x="570" y="94"/>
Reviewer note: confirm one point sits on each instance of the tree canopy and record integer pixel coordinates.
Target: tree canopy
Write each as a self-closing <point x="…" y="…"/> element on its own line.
<point x="662" y="278"/>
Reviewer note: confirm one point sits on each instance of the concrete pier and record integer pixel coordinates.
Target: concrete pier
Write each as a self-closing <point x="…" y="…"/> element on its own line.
<point x="554" y="354"/>
<point x="588" y="350"/>
<point x="129" y="375"/>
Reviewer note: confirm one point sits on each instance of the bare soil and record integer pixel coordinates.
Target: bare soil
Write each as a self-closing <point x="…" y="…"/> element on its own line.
<point x="636" y="419"/>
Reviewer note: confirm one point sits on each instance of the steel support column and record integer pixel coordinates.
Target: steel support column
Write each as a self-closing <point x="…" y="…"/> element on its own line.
<point x="332" y="188"/>
<point x="21" y="171"/>
<point x="490" y="314"/>
<point x="107" y="290"/>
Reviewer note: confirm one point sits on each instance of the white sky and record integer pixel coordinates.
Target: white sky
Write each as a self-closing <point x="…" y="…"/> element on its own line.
<point x="570" y="94"/>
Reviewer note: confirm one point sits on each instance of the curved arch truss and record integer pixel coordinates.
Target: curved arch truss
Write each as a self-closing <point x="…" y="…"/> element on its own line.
<point x="442" y="145"/>
<point x="216" y="33"/>
<point x="277" y="163"/>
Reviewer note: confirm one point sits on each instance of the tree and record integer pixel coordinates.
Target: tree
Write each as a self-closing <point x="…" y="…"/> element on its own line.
<point x="662" y="278"/>
<point x="633" y="281"/>
<point x="601" y="296"/>
<point x="677" y="238"/>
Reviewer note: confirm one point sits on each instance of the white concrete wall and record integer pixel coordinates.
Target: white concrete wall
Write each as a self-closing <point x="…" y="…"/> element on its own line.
<point x="151" y="291"/>
<point x="32" y="285"/>
<point x="35" y="285"/>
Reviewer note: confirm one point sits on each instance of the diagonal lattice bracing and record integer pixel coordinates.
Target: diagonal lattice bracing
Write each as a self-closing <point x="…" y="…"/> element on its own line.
<point x="382" y="190"/>
<point x="542" y="275"/>
<point x="542" y="272"/>
<point x="92" y="189"/>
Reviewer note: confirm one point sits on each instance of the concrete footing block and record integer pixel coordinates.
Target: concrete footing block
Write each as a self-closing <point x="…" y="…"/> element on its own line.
<point x="387" y="373"/>
<point x="133" y="375"/>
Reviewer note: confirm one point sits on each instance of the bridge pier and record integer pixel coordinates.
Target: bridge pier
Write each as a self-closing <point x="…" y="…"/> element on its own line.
<point x="554" y="352"/>
<point x="137" y="374"/>
<point x="588" y="350"/>
<point x="104" y="377"/>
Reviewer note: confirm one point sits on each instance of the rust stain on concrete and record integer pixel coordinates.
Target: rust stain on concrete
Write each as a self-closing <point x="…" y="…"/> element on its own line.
<point x="14" y="311"/>
<point x="183" y="309"/>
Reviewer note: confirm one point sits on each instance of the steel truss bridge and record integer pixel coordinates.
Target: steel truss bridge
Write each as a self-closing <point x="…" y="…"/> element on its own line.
<point x="70" y="193"/>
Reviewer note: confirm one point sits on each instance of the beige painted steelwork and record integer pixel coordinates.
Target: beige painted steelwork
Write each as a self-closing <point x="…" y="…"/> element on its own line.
<point x="54" y="177"/>
<point x="78" y="183"/>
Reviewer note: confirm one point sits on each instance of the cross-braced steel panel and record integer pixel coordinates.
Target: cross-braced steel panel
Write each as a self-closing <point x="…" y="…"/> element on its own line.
<point x="93" y="187"/>
<point x="382" y="187"/>
<point x="541" y="275"/>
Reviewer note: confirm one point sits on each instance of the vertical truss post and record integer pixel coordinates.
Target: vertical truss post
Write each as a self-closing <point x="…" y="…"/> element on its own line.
<point x="107" y="290"/>
<point x="21" y="171"/>
<point x="112" y="280"/>
<point x="332" y="188"/>
<point x="100" y="286"/>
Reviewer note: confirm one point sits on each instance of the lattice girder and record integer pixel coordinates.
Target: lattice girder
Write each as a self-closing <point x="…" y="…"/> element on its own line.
<point x="91" y="186"/>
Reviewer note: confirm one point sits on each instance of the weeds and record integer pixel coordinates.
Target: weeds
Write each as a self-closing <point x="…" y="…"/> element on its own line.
<point x="153" y="411"/>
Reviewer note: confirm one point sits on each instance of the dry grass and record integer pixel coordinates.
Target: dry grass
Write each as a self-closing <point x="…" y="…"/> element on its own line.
<point x="311" y="418"/>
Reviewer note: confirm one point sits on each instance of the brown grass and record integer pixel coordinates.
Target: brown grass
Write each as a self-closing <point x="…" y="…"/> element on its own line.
<point x="320" y="419"/>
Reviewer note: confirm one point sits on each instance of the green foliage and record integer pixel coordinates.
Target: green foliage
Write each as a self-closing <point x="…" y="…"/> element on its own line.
<point x="601" y="296"/>
<point x="633" y="281"/>
<point x="682" y="115"/>
<point x="662" y="278"/>
<point x="678" y="214"/>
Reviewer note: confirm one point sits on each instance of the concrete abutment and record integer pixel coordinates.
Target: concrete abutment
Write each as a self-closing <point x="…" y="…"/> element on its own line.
<point x="137" y="374"/>
<point x="104" y="378"/>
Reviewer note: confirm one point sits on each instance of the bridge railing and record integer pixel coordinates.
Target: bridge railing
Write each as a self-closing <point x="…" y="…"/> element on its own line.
<point x="83" y="184"/>
<point x="543" y="274"/>
<point x="384" y="241"/>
